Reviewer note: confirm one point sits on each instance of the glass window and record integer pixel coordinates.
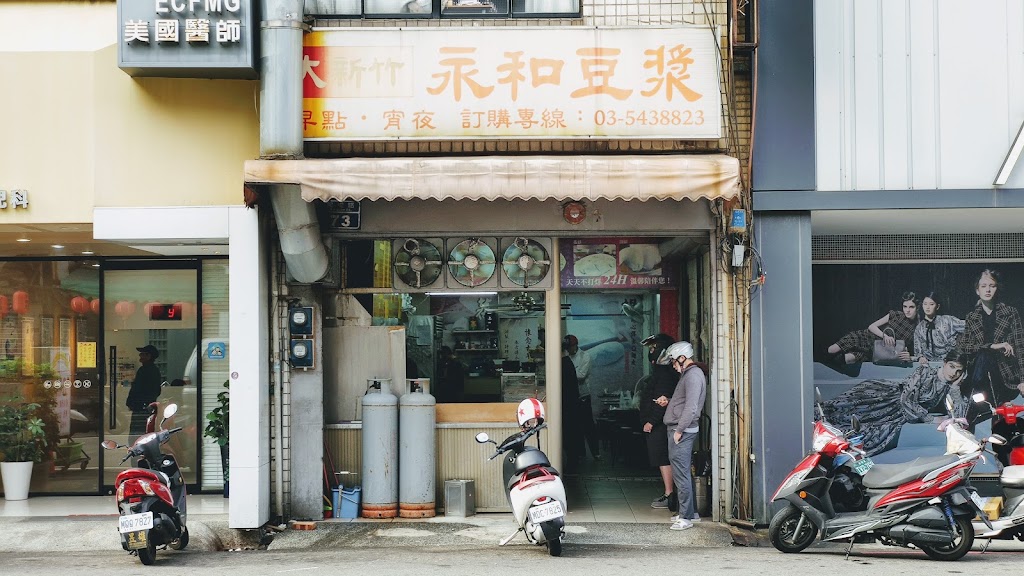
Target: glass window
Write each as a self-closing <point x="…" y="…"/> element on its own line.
<point x="214" y="356"/>
<point x="49" y="355"/>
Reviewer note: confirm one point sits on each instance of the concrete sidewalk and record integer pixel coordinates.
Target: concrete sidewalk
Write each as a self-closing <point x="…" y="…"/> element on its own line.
<point x="210" y="532"/>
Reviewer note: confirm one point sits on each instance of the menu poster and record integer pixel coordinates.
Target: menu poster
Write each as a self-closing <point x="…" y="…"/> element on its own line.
<point x="86" y="355"/>
<point x="614" y="263"/>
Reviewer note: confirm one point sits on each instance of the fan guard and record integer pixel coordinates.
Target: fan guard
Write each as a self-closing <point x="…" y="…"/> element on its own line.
<point x="418" y="263"/>
<point x="471" y="262"/>
<point x="526" y="262"/>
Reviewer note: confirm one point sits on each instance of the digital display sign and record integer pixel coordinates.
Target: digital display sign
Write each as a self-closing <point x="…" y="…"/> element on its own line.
<point x="165" y="312"/>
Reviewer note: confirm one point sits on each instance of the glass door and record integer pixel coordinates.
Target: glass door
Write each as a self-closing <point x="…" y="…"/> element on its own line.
<point x="151" y="333"/>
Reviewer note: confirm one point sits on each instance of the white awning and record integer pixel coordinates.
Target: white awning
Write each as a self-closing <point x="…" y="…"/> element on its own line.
<point x="647" y="177"/>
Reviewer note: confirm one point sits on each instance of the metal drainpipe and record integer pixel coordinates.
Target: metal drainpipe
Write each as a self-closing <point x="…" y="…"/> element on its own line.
<point x="281" y="135"/>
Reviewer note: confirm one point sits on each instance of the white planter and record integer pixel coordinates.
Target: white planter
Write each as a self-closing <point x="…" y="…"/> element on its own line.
<point x="16" y="476"/>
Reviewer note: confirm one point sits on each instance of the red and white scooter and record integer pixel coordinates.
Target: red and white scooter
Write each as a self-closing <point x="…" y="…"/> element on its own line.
<point x="151" y="496"/>
<point x="926" y="503"/>
<point x="535" y="490"/>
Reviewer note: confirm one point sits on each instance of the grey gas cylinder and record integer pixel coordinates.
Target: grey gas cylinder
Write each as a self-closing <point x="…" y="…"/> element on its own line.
<point x="416" y="442"/>
<point x="380" y="450"/>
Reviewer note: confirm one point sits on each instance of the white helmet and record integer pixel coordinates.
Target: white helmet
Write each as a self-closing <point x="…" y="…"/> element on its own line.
<point x="681" y="349"/>
<point x="530" y="413"/>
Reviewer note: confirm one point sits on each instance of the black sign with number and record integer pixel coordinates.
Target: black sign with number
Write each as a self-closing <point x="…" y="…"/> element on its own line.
<point x="343" y="216"/>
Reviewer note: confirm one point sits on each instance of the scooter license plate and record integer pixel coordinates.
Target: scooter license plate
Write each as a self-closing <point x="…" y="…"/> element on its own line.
<point x="977" y="500"/>
<point x="137" y="540"/>
<point x="863" y="465"/>
<point x="546" y="512"/>
<point x="135" y="522"/>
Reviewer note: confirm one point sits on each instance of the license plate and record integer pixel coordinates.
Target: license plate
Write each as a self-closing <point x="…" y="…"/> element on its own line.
<point x="977" y="500"/>
<point x="863" y="465"/>
<point x="546" y="512"/>
<point x="137" y="540"/>
<point x="135" y="522"/>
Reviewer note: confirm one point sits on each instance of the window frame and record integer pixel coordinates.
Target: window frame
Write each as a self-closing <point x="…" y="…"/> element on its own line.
<point x="437" y="13"/>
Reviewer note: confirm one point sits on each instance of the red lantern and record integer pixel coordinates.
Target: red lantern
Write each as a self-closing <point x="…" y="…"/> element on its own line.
<point x="20" y="302"/>
<point x="148" y="307"/>
<point x="95" y="305"/>
<point x="79" y="305"/>
<point x="5" y="306"/>
<point x="207" y="311"/>
<point x="187" y="309"/>
<point x="125" y="308"/>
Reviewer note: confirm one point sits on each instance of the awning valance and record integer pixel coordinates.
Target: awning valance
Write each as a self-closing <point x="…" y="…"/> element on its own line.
<point x="634" y="177"/>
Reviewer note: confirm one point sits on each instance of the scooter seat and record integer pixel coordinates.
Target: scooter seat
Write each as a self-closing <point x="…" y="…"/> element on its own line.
<point x="1012" y="476"/>
<point x="892" y="475"/>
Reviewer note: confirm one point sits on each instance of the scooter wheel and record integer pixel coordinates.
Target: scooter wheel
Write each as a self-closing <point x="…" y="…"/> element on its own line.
<point x="147" y="555"/>
<point x="959" y="547"/>
<point x="788" y="534"/>
<point x="182" y="541"/>
<point x="555" y="547"/>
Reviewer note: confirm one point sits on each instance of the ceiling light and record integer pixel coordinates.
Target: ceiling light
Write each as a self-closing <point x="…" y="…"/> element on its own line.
<point x="88" y="252"/>
<point x="23" y="240"/>
<point x="57" y="246"/>
<point x="95" y="265"/>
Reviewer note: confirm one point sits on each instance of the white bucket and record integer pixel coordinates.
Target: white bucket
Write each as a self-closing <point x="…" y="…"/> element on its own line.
<point x="16" y="476"/>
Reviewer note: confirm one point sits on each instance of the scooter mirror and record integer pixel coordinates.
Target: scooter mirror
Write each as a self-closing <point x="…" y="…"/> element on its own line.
<point x="482" y="437"/>
<point x="109" y="445"/>
<point x="855" y="423"/>
<point x="979" y="397"/>
<point x="170" y="410"/>
<point x="996" y="439"/>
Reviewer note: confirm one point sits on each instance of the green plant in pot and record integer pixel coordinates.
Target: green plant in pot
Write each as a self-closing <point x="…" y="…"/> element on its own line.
<point x="22" y="442"/>
<point x="217" y="428"/>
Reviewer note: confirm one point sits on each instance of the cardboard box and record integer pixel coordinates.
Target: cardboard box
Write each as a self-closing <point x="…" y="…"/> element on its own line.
<point x="993" y="506"/>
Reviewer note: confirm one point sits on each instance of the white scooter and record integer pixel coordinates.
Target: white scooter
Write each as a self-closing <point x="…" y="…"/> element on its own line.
<point x="534" y="488"/>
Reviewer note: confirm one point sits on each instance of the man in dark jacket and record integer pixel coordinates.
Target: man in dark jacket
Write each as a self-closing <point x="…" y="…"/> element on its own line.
<point x="660" y="383"/>
<point x="572" y="434"/>
<point x="145" y="389"/>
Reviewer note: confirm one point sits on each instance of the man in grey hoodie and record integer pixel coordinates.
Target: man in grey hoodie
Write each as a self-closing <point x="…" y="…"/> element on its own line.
<point x="682" y="421"/>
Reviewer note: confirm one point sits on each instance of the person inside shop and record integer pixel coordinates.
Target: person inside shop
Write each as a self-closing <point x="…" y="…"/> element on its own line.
<point x="661" y="383"/>
<point x="582" y="361"/>
<point x="145" y="390"/>
<point x="572" y="435"/>
<point x="682" y="424"/>
<point x="451" y="377"/>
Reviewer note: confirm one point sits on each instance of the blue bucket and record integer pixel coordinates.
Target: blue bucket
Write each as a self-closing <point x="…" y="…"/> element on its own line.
<point x="335" y="502"/>
<point x="349" y="503"/>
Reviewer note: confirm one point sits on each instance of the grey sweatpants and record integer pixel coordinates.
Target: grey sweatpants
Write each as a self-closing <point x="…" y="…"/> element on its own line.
<point x="679" y="455"/>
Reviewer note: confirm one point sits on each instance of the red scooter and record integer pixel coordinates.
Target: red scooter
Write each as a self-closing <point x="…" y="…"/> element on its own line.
<point x="1007" y="421"/>
<point x="926" y="503"/>
<point x="151" y="496"/>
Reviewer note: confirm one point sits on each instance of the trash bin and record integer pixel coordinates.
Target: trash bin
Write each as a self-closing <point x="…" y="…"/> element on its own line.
<point x="459" y="498"/>
<point x="349" y="503"/>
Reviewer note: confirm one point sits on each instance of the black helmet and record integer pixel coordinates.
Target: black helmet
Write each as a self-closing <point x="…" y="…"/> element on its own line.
<point x="656" y="344"/>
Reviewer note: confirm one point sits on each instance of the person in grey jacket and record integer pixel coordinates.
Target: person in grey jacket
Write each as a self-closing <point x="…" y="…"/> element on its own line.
<point x="682" y="423"/>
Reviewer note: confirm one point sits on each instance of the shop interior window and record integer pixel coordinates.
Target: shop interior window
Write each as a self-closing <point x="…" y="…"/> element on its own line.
<point x="435" y="8"/>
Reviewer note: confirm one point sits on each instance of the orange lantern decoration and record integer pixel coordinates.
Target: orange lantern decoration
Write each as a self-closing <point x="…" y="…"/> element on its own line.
<point x="79" y="305"/>
<point x="5" y="306"/>
<point x="20" y="302"/>
<point x="95" y="305"/>
<point x="207" y="311"/>
<point x="125" y="308"/>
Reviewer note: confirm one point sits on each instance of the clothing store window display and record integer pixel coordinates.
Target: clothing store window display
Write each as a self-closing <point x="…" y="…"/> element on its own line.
<point x="682" y="424"/>
<point x="660" y="384"/>
<point x="936" y="334"/>
<point x="582" y="361"/>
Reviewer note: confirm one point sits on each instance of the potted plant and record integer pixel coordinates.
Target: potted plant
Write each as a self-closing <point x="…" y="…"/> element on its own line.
<point x="22" y="443"/>
<point x="217" y="428"/>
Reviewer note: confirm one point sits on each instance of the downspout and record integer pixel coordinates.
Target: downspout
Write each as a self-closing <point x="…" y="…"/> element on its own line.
<point x="281" y="135"/>
<point x="279" y="293"/>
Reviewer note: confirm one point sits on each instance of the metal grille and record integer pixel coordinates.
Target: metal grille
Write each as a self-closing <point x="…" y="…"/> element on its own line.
<point x="922" y="247"/>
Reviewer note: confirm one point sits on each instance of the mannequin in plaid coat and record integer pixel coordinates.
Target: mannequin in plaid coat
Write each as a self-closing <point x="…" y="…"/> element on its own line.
<point x="998" y="350"/>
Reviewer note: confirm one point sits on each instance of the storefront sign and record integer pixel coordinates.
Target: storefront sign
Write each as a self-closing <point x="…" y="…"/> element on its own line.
<point x="344" y="215"/>
<point x="186" y="38"/>
<point x="613" y="263"/>
<point x="511" y="83"/>
<point x="13" y="199"/>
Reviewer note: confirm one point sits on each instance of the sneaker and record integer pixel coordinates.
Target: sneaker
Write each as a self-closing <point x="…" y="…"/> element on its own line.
<point x="681" y="524"/>
<point x="660" y="502"/>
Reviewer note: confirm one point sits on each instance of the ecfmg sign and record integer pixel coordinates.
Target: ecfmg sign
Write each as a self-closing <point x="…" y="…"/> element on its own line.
<point x="187" y="38"/>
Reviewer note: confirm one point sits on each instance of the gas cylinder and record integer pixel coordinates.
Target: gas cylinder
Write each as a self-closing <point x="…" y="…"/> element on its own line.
<point x="416" y="442"/>
<point x="380" y="450"/>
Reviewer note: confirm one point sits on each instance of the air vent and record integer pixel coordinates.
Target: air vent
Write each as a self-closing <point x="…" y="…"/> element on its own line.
<point x="917" y="247"/>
